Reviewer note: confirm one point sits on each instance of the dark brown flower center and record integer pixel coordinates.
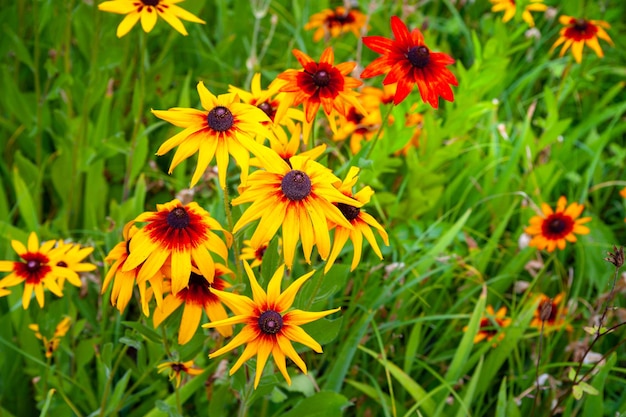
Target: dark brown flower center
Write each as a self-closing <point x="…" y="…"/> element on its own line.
<point x="33" y="265"/>
<point x="581" y="25"/>
<point x="547" y="311"/>
<point x="267" y="109"/>
<point x="556" y="226"/>
<point x="178" y="218"/>
<point x="220" y="119"/>
<point x="348" y="211"/>
<point x="419" y="56"/>
<point x="321" y="78"/>
<point x="177" y="367"/>
<point x="62" y="264"/>
<point x="258" y="254"/>
<point x="270" y="322"/>
<point x="296" y="185"/>
<point x="151" y="2"/>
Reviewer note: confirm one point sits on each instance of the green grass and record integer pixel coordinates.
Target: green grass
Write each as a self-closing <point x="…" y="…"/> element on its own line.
<point x="78" y="147"/>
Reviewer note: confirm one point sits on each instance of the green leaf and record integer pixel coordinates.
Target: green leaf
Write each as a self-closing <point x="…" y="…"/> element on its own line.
<point x="322" y="404"/>
<point x="25" y="202"/>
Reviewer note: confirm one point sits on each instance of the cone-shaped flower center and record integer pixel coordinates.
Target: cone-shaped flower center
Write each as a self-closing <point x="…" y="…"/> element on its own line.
<point x="198" y="290"/>
<point x="581" y="25"/>
<point x="557" y="226"/>
<point x="321" y="78"/>
<point x="296" y="185"/>
<point x="270" y="322"/>
<point x="33" y="265"/>
<point x="178" y="218"/>
<point x="348" y="211"/>
<point x="419" y="56"/>
<point x="177" y="367"/>
<point x="220" y="119"/>
<point x="150" y="2"/>
<point x="267" y="109"/>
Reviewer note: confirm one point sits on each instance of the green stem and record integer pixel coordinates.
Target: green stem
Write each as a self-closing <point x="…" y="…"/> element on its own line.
<point x="107" y="387"/>
<point x="379" y="131"/>
<point x="229" y="219"/>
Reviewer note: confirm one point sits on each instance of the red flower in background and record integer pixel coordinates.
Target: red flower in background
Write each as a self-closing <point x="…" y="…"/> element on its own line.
<point x="408" y="61"/>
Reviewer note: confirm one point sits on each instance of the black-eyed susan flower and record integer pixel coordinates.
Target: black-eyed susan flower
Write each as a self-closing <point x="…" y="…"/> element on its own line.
<point x="554" y="227"/>
<point x="286" y="148"/>
<point x="408" y="61"/>
<point x="198" y="296"/>
<point x="578" y="32"/>
<point x="148" y="11"/>
<point x="358" y="126"/>
<point x="178" y="233"/>
<point x="550" y="313"/>
<point x="176" y="370"/>
<point x="318" y="84"/>
<point x="297" y="196"/>
<point x="510" y="7"/>
<point x="268" y="101"/>
<point x="253" y="254"/>
<point x="37" y="270"/>
<point x="227" y="126"/>
<point x="362" y="223"/>
<point x="269" y="324"/>
<point x="52" y="344"/>
<point x="124" y="280"/>
<point x="332" y="23"/>
<point x="491" y="324"/>
<point x="71" y="258"/>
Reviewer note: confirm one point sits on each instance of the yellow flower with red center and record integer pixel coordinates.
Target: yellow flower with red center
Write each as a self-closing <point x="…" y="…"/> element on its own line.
<point x="195" y="297"/>
<point x="270" y="325"/>
<point x="359" y="126"/>
<point x="176" y="369"/>
<point x="554" y="227"/>
<point x="510" y="7"/>
<point x="52" y="344"/>
<point x="550" y="313"/>
<point x="318" y="83"/>
<point x="297" y="196"/>
<point x="333" y="23"/>
<point x="580" y="32"/>
<point x="252" y="253"/>
<point x="491" y="324"/>
<point x="148" y="11"/>
<point x="37" y="270"/>
<point x="180" y="234"/>
<point x="408" y="61"/>
<point x="227" y="126"/>
<point x="71" y="257"/>
<point x="362" y="223"/>
<point x="124" y="280"/>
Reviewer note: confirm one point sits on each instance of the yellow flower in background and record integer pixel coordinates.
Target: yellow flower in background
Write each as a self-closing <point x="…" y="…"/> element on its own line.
<point x="298" y="197"/>
<point x="71" y="258"/>
<point x="124" y="280"/>
<point x="286" y="148"/>
<point x="227" y="126"/>
<point x="148" y="11"/>
<point x="52" y="344"/>
<point x="491" y="324"/>
<point x="550" y="313"/>
<point x="360" y="126"/>
<point x="362" y="223"/>
<point x="333" y="23"/>
<point x="415" y="121"/>
<point x="180" y="234"/>
<point x="176" y="369"/>
<point x="37" y="270"/>
<point x="510" y="7"/>
<point x="554" y="227"/>
<point x="270" y="324"/>
<point x="195" y="297"/>
<point x="252" y="253"/>
<point x="580" y="32"/>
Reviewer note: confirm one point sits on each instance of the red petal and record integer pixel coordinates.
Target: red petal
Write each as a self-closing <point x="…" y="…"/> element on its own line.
<point x="378" y="44"/>
<point x="400" y="31"/>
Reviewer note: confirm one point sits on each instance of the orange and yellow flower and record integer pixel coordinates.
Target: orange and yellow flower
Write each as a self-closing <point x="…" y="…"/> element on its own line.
<point x="195" y="297"/>
<point x="361" y="126"/>
<point x="408" y="61"/>
<point x="550" y="313"/>
<point x="554" y="227"/>
<point x="270" y="325"/>
<point x="362" y="223"/>
<point x="333" y="23"/>
<point x="252" y="253"/>
<point x="176" y="370"/>
<point x="510" y="8"/>
<point x="227" y="126"/>
<point x="71" y="258"/>
<point x="318" y="84"/>
<point x="37" y="270"/>
<point x="148" y="11"/>
<point x="491" y="324"/>
<point x="580" y="32"/>
<point x="52" y="344"/>
<point x="298" y="196"/>
<point x="180" y="234"/>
